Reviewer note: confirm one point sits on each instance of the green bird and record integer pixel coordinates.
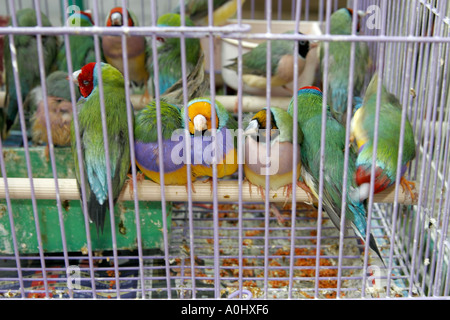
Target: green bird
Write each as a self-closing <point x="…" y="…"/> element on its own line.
<point x="197" y="10"/>
<point x="339" y="63"/>
<point x="28" y="67"/>
<point x="203" y="151"/>
<point x="169" y="61"/>
<point x="310" y="120"/>
<point x="91" y="137"/>
<point x="81" y="47"/>
<point x="254" y="63"/>
<point x="280" y="165"/>
<point x="146" y="144"/>
<point x="362" y="132"/>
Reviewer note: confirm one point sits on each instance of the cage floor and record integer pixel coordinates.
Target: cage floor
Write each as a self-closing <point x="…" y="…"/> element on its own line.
<point x="196" y="280"/>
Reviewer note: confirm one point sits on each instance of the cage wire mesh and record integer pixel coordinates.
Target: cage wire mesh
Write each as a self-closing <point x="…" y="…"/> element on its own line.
<point x="210" y="244"/>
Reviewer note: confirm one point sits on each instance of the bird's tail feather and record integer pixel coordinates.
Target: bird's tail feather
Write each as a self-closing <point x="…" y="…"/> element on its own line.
<point x="359" y="224"/>
<point x="97" y="212"/>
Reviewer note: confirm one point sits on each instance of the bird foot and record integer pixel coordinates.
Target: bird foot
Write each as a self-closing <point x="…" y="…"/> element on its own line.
<point x="277" y="213"/>
<point x="192" y="187"/>
<point x="287" y="191"/>
<point x="145" y="98"/>
<point x="408" y="185"/>
<point x="236" y="106"/>
<point x="47" y="153"/>
<point x="139" y="178"/>
<point x="209" y="180"/>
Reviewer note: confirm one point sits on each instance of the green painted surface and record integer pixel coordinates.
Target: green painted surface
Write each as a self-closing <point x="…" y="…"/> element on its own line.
<point x="72" y="214"/>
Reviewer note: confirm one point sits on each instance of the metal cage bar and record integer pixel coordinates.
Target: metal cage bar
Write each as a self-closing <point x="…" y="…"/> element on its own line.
<point x="233" y="249"/>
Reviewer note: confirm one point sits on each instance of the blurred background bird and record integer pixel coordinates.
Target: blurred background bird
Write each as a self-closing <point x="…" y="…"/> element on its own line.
<point x="310" y="120"/>
<point x="254" y="63"/>
<point x="169" y="61"/>
<point x="363" y="128"/>
<point x="197" y="11"/>
<point x="280" y="164"/>
<point x="91" y="137"/>
<point x="27" y="64"/>
<point x="146" y="144"/>
<point x="203" y="151"/>
<point x="59" y="108"/>
<point x="81" y="47"/>
<point x="339" y="63"/>
<point x="137" y="49"/>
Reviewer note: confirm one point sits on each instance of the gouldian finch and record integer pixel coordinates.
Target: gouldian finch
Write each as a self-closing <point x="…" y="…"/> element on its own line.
<point x="146" y="144"/>
<point x="363" y="127"/>
<point x="91" y="137"/>
<point x="59" y="108"/>
<point x="81" y="47"/>
<point x="282" y="63"/>
<point x="203" y="148"/>
<point x="197" y="10"/>
<point x="137" y="49"/>
<point x="310" y="120"/>
<point x="280" y="164"/>
<point x="169" y="55"/>
<point x="27" y="64"/>
<point x="281" y="138"/>
<point x="339" y="63"/>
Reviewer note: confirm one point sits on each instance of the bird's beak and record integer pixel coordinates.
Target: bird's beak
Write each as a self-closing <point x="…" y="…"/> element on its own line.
<point x="362" y="14"/>
<point x="252" y="128"/>
<point x="116" y="19"/>
<point x="75" y="76"/>
<point x="200" y="123"/>
<point x="313" y="44"/>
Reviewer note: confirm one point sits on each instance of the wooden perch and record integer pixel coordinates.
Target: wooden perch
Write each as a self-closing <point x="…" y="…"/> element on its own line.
<point x="44" y="188"/>
<point x="249" y="103"/>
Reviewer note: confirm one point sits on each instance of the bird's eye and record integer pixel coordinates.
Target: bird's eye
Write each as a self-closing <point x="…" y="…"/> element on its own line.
<point x="302" y="43"/>
<point x="59" y="100"/>
<point x="85" y="82"/>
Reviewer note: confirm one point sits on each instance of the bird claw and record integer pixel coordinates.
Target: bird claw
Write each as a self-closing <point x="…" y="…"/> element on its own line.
<point x="139" y="178"/>
<point x="192" y="187"/>
<point x="287" y="191"/>
<point x="277" y="213"/>
<point x="145" y="98"/>
<point x="408" y="185"/>
<point x="308" y="191"/>
<point x="210" y="180"/>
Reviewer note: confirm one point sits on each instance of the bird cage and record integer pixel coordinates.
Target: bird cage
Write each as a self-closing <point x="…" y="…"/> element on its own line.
<point x="219" y="238"/>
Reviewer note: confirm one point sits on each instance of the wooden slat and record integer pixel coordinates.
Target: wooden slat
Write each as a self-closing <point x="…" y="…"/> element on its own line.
<point x="19" y="188"/>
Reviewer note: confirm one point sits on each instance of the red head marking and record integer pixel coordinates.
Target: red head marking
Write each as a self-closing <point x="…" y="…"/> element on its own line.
<point x="118" y="10"/>
<point x="87" y="14"/>
<point x="310" y="87"/>
<point x="86" y="79"/>
<point x="358" y="24"/>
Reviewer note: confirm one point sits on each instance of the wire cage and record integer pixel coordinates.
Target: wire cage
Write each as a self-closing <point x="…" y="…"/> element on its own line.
<point x="220" y="239"/>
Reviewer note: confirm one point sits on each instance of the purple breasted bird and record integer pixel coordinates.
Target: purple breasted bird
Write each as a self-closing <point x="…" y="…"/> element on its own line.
<point x="203" y="150"/>
<point x="147" y="149"/>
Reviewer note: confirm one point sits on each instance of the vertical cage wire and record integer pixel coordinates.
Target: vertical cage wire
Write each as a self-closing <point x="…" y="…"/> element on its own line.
<point x="417" y="250"/>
